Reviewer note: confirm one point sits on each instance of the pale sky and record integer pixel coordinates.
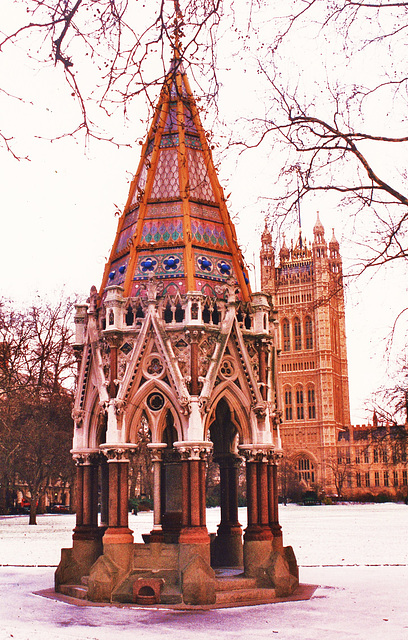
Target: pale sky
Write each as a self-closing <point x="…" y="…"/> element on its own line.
<point x="59" y="222"/>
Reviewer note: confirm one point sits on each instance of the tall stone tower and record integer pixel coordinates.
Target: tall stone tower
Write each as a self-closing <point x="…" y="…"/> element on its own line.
<point x="175" y="339"/>
<point x="312" y="377"/>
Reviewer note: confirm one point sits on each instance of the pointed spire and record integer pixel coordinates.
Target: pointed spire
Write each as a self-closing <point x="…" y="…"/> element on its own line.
<point x="175" y="225"/>
<point x="318" y="228"/>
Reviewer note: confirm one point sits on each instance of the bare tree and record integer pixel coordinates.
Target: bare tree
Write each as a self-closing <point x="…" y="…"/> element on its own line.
<point x="111" y="51"/>
<point x="36" y="386"/>
<point x="336" y="103"/>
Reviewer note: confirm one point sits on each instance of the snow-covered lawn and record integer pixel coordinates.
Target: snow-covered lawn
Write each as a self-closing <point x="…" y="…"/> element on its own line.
<point x="358" y="554"/>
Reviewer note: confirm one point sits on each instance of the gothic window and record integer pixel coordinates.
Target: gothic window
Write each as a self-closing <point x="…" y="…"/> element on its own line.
<point x="288" y="404"/>
<point x="215" y="315"/>
<point x="386" y="479"/>
<point x="366" y="457"/>
<point x="309" y="332"/>
<point x="297" y="330"/>
<point x="358" y="479"/>
<point x="179" y="313"/>
<point x="305" y="470"/>
<point x="111" y="317"/>
<point x="311" y="407"/>
<point x="206" y="314"/>
<point x="129" y="318"/>
<point x="367" y="478"/>
<point x="168" y="314"/>
<point x="299" y="404"/>
<point x="377" y="479"/>
<point x="286" y="335"/>
<point x="375" y="455"/>
<point x="395" y="478"/>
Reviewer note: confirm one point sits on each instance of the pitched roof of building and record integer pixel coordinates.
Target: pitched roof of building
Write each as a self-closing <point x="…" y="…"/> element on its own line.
<point x="175" y="225"/>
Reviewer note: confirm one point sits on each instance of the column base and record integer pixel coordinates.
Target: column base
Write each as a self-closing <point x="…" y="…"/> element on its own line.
<point x="118" y="535"/>
<point x="194" y="535"/>
<point x="256" y="532"/>
<point x="88" y="532"/>
<point x="226" y="548"/>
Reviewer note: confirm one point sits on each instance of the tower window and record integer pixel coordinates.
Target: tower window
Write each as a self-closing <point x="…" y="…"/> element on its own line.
<point x="297" y="327"/>
<point x="309" y="332"/>
<point x="299" y="404"/>
<point x="305" y="470"/>
<point x="311" y="407"/>
<point x="286" y="335"/>
<point x="288" y="405"/>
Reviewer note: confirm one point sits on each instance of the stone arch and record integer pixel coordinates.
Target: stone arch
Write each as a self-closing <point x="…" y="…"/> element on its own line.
<point x="237" y="403"/>
<point x="92" y="425"/>
<point x="139" y="403"/>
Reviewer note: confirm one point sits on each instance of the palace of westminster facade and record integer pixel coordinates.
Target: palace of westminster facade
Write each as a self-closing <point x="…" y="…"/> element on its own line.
<point x="320" y="446"/>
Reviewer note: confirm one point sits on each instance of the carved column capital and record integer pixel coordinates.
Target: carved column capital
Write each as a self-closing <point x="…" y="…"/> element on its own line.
<point x="86" y="457"/>
<point x="193" y="450"/>
<point x="257" y="453"/>
<point x="156" y="449"/>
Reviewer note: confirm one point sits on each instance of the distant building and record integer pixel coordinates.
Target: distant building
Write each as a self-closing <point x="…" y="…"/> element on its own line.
<point x="312" y="379"/>
<point x="372" y="459"/>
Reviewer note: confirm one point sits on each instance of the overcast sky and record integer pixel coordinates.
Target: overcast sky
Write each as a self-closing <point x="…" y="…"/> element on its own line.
<point x="58" y="210"/>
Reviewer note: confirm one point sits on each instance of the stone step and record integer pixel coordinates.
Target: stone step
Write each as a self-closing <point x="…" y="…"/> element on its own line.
<point x="245" y="597"/>
<point x="234" y="584"/>
<point x="79" y="591"/>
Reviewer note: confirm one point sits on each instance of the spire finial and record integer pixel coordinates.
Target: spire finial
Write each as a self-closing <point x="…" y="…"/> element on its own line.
<point x="178" y="23"/>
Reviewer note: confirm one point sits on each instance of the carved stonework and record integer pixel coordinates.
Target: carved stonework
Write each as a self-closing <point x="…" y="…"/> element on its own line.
<point x="82" y="458"/>
<point x="193" y="450"/>
<point x="257" y="453"/>
<point x="78" y="417"/>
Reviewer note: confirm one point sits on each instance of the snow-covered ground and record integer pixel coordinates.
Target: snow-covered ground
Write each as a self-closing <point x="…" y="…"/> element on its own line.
<point x="357" y="554"/>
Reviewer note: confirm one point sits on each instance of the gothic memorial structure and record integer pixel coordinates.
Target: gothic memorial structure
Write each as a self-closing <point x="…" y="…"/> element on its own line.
<point x="174" y="338"/>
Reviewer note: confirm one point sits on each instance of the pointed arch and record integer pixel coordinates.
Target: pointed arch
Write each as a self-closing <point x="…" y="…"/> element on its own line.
<point x="144" y="401"/>
<point x="237" y="403"/>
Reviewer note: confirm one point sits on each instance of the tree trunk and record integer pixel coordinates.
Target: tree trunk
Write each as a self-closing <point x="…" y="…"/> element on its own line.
<point x="33" y="511"/>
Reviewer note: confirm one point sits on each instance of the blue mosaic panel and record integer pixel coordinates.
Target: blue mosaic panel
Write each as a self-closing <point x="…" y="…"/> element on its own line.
<point x="163" y="265"/>
<point x="213" y="267"/>
<point x="117" y="272"/>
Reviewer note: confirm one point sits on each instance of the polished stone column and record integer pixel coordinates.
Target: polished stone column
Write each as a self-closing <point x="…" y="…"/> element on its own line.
<point x="156" y="535"/>
<point x="228" y="542"/>
<point x="258" y="499"/>
<point x="193" y="460"/>
<point x="118" y="531"/>
<point x="87" y="496"/>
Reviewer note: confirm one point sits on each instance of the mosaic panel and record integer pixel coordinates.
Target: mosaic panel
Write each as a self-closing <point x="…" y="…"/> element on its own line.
<point x="188" y="121"/>
<point x="212" y="267"/>
<point x="208" y="233"/>
<point x="141" y="182"/>
<point x="200" y="186"/>
<point x="193" y="142"/>
<point x="161" y="265"/>
<point x="166" y="182"/>
<point x="130" y="218"/>
<point x="169" y="140"/>
<point x="164" y="210"/>
<point x="117" y="271"/>
<point x="168" y="231"/>
<point x="124" y="237"/>
<point x="171" y="120"/>
<point x="204" y="212"/>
